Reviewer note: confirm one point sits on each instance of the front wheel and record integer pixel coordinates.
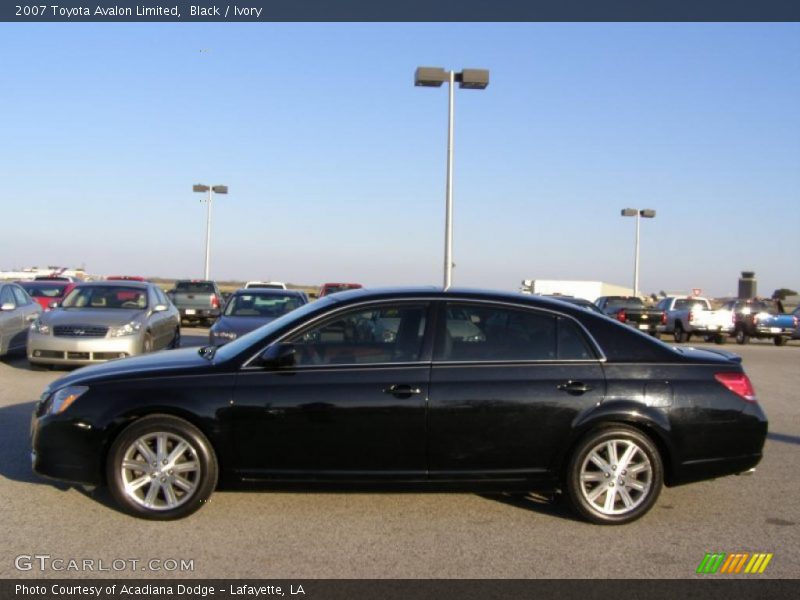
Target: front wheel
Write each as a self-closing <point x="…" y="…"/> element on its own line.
<point x="614" y="476"/>
<point x="780" y="340"/>
<point x="741" y="336"/>
<point x="161" y="468"/>
<point x="719" y="339"/>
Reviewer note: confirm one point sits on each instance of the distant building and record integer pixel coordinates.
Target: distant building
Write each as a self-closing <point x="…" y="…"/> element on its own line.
<point x="588" y="290"/>
<point x="33" y="272"/>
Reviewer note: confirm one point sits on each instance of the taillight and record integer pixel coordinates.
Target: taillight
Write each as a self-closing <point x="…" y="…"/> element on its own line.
<point x="691" y="316"/>
<point x="621" y="315"/>
<point x="663" y="318"/>
<point x="738" y="383"/>
<point x="214" y="302"/>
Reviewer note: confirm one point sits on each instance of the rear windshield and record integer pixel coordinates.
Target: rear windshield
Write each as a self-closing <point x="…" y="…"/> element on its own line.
<point x="631" y="302"/>
<point x="100" y="296"/>
<point x="691" y="303"/>
<point x="45" y="290"/>
<point x="195" y="287"/>
<point x="761" y="306"/>
<point x="333" y="289"/>
<point x="266" y="306"/>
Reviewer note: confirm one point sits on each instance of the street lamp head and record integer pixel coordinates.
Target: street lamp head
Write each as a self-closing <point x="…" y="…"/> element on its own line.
<point x="647" y="213"/>
<point x="629" y="212"/>
<point x="220" y="189"/>
<point x="199" y="187"/>
<point x="430" y="76"/>
<point x="474" y="79"/>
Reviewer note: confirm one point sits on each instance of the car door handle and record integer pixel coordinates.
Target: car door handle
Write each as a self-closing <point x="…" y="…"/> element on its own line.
<point x="574" y="387"/>
<point x="402" y="390"/>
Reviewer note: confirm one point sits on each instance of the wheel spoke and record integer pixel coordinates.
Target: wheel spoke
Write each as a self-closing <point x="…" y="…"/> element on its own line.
<point x="134" y="485"/>
<point x="183" y="484"/>
<point x="636" y="485"/>
<point x="169" y="494"/>
<point x="176" y="453"/>
<point x="161" y="446"/>
<point x="145" y="450"/>
<point x="599" y="461"/>
<point x="637" y="468"/>
<point x="136" y="465"/>
<point x="592" y="476"/>
<point x="596" y="492"/>
<point x="626" y="497"/>
<point x="626" y="457"/>
<point x="186" y="467"/>
<point x="611" y="497"/>
<point x="611" y="449"/>
<point x="152" y="494"/>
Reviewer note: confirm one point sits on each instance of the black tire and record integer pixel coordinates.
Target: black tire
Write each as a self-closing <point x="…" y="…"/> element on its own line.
<point x="147" y="343"/>
<point x="719" y="339"/>
<point x="176" y="339"/>
<point x="579" y="466"/>
<point x="779" y="340"/>
<point x="679" y="334"/>
<point x="741" y="336"/>
<point x="203" y="479"/>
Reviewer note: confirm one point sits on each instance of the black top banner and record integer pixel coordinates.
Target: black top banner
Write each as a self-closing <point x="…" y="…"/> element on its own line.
<point x="404" y="10"/>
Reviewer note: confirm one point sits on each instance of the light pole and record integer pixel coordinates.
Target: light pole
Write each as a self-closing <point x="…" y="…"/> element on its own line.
<point x="471" y="79"/>
<point x="211" y="189"/>
<point x="647" y="213"/>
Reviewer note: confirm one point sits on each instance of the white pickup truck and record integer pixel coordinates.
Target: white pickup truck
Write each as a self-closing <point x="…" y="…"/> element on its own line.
<point x="691" y="315"/>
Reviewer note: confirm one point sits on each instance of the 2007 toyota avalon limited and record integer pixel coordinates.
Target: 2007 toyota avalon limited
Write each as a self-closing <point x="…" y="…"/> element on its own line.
<point x="414" y="388"/>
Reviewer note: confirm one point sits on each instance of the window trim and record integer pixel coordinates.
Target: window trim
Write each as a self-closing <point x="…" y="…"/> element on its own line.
<point x="600" y="356"/>
<point x="426" y="351"/>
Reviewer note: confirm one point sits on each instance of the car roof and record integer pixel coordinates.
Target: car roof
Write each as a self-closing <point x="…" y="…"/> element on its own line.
<point x="257" y="291"/>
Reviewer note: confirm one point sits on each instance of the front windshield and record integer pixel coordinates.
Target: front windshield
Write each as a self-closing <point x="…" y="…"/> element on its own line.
<point x="242" y="343"/>
<point x="102" y="296"/>
<point x="268" y="306"/>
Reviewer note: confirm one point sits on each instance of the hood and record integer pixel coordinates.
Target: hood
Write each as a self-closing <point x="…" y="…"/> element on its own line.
<point x="105" y="317"/>
<point x="240" y="325"/>
<point x="165" y="362"/>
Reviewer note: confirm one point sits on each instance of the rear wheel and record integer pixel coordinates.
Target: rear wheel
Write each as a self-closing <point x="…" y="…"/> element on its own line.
<point x="679" y="334"/>
<point x="779" y="340"/>
<point x="161" y="467"/>
<point x="719" y="339"/>
<point x="614" y="476"/>
<point x="741" y="336"/>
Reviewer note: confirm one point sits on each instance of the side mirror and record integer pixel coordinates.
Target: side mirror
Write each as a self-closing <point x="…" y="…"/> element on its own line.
<point x="278" y="356"/>
<point x="159" y="308"/>
<point x="8" y="306"/>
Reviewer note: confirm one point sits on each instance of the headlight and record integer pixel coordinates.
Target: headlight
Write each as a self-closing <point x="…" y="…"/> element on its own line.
<point x="127" y="329"/>
<point x="38" y="327"/>
<point x="66" y="396"/>
<point x="228" y="335"/>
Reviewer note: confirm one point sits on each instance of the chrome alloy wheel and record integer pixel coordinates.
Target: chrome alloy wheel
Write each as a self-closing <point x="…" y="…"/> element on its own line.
<point x="616" y="477"/>
<point x="160" y="471"/>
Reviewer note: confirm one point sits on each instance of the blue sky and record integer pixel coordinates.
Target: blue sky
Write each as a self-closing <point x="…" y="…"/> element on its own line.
<point x="336" y="162"/>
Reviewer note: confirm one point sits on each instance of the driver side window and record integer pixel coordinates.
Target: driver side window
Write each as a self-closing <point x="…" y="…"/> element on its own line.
<point x="379" y="334"/>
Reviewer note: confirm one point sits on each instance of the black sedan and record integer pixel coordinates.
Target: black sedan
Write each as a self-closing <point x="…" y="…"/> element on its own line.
<point x="473" y="390"/>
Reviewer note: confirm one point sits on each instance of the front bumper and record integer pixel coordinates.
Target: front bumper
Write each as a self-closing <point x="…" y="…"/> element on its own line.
<point x="56" y="350"/>
<point x="65" y="449"/>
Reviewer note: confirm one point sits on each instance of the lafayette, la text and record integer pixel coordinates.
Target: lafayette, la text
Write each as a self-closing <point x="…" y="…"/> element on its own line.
<point x="155" y="11"/>
<point x="148" y="589"/>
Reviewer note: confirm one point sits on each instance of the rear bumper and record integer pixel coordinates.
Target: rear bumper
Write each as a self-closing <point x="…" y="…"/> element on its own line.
<point x="197" y="314"/>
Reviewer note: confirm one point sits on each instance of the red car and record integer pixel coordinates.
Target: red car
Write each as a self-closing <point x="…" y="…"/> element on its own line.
<point x="331" y="288"/>
<point x="47" y="291"/>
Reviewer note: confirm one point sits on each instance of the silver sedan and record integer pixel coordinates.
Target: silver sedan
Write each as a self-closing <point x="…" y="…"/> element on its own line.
<point x="105" y="320"/>
<point x="17" y="310"/>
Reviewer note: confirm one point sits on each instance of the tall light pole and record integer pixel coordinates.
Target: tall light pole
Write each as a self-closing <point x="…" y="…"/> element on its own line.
<point x="211" y="189"/>
<point x="471" y="79"/>
<point x="647" y="213"/>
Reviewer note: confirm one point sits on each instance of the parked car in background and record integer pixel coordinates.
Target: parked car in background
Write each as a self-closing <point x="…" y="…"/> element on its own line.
<point x="692" y="315"/>
<point x="547" y="397"/>
<point x="17" y="312"/>
<point x="632" y="311"/>
<point x="332" y="288"/>
<point x="582" y="302"/>
<point x="761" y="318"/>
<point x="270" y="285"/>
<point x="796" y="315"/>
<point x="249" y="309"/>
<point x="197" y="300"/>
<point x="68" y="278"/>
<point x="104" y="320"/>
<point x="47" y="293"/>
<point x="125" y="278"/>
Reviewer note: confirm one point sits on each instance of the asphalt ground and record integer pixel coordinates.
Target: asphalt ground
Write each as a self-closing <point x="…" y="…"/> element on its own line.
<point x="411" y="535"/>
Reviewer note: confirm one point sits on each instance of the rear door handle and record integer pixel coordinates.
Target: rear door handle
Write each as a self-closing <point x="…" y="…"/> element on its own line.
<point x="574" y="387"/>
<point x="402" y="390"/>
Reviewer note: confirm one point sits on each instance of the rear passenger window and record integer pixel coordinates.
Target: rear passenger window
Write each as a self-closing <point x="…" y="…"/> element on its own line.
<point x="491" y="333"/>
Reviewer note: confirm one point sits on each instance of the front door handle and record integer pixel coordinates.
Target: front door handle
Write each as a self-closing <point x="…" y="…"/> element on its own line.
<point x="574" y="387"/>
<point x="402" y="390"/>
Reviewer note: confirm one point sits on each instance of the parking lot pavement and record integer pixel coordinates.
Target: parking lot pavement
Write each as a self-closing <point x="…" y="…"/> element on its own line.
<point x="290" y="535"/>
